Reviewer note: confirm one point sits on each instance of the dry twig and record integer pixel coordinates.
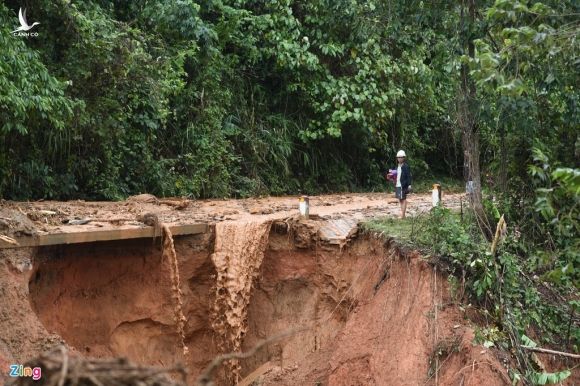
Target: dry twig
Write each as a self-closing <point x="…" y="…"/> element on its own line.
<point x="59" y="368"/>
<point x="554" y="352"/>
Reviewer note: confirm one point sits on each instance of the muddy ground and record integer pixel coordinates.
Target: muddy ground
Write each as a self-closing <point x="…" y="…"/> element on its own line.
<point x="367" y="312"/>
<point x="41" y="217"/>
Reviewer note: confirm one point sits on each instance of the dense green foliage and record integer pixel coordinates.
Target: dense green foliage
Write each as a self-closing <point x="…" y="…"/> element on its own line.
<point x="239" y="97"/>
<point x="221" y="98"/>
<point x="524" y="68"/>
<point x="234" y="98"/>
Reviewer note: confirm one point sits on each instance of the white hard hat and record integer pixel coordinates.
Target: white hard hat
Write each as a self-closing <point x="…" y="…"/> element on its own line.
<point x="401" y="153"/>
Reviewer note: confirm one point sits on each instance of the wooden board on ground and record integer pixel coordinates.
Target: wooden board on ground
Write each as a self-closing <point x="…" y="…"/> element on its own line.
<point x="117" y="233"/>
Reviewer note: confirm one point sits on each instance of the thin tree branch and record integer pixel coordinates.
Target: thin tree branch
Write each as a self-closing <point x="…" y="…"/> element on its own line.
<point x="205" y="378"/>
<point x="548" y="351"/>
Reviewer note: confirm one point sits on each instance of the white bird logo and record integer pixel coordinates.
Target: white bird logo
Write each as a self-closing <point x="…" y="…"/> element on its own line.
<point x="23" y="23"/>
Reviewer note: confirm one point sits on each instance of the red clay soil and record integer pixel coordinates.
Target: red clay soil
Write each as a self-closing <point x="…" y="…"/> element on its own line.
<point x="115" y="299"/>
<point x="373" y="315"/>
<point x="22" y="335"/>
<point x="384" y="319"/>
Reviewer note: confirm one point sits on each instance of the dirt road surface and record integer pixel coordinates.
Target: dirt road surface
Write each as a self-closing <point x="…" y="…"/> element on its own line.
<point x="46" y="217"/>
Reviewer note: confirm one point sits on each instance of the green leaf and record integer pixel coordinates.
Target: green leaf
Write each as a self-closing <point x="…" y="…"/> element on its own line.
<point x="527" y="342"/>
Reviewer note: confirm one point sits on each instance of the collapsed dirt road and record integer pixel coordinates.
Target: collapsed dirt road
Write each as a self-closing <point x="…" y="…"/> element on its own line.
<point x="41" y="217"/>
<point x="368" y="312"/>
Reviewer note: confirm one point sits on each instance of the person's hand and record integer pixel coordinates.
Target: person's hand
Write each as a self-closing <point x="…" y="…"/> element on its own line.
<point x="409" y="189"/>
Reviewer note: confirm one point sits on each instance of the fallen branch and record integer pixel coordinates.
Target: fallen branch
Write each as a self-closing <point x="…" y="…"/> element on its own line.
<point x="548" y="351"/>
<point x="205" y="378"/>
<point x="59" y="369"/>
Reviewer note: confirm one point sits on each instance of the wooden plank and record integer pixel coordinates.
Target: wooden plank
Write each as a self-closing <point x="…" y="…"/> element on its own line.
<point x="120" y="233"/>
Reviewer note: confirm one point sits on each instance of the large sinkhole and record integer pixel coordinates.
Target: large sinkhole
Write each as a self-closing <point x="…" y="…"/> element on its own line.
<point x="367" y="309"/>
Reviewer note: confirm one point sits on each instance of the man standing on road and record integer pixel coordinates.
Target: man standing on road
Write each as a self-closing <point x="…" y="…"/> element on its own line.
<point x="403" y="185"/>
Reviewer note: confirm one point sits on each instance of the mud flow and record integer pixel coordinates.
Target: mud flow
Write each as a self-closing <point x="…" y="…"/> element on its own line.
<point x="363" y="313"/>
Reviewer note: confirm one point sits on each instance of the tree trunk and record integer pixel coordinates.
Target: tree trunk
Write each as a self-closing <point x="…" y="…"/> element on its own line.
<point x="503" y="175"/>
<point x="467" y="122"/>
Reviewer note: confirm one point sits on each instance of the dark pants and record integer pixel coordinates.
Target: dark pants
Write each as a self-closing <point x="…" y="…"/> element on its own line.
<point x="400" y="193"/>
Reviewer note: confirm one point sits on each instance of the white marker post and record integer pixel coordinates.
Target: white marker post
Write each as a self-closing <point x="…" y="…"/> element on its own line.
<point x="304" y="207"/>
<point x="436" y="195"/>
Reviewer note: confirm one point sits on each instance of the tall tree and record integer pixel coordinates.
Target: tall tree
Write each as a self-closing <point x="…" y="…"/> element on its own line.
<point x="467" y="116"/>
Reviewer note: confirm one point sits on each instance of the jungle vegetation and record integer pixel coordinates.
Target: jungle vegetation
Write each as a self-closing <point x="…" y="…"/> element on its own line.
<point x="237" y="98"/>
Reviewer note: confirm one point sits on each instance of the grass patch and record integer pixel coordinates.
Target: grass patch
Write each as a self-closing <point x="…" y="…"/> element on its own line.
<point x="416" y="231"/>
<point x="404" y="230"/>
